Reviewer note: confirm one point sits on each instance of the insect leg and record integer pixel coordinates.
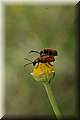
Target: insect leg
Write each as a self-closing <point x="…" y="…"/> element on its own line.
<point x="27" y="64"/>
<point x="50" y="64"/>
<point x="34" y="51"/>
<point x="28" y="60"/>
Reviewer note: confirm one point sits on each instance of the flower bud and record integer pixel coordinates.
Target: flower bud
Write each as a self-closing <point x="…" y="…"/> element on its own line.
<point x="43" y="72"/>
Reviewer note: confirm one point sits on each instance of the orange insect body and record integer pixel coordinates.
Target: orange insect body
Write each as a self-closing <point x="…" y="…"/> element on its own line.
<point x="44" y="59"/>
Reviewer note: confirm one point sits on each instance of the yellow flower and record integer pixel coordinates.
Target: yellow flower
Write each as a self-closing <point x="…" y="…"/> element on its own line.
<point x="43" y="72"/>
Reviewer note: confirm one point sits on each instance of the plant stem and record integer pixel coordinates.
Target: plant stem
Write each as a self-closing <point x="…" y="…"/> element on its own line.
<point x="52" y="99"/>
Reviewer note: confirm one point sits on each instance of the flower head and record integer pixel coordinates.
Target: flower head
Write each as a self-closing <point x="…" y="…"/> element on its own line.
<point x="43" y="72"/>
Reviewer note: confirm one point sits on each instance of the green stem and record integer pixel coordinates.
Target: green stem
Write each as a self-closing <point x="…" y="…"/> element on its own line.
<point x="52" y="99"/>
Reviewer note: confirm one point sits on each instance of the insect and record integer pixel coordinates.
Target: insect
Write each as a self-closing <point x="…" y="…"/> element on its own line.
<point x="46" y="51"/>
<point x="41" y="59"/>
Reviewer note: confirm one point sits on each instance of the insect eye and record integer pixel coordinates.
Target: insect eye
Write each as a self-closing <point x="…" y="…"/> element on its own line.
<point x="41" y="52"/>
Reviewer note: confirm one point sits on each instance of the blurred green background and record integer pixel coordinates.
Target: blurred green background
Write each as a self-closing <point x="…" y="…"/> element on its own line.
<point x="36" y="27"/>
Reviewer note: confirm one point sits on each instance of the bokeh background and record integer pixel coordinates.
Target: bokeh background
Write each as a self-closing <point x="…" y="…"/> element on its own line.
<point x="34" y="27"/>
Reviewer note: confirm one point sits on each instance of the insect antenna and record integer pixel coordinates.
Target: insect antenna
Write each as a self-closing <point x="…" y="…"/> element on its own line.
<point x="34" y="51"/>
<point x="28" y="60"/>
<point x="27" y="64"/>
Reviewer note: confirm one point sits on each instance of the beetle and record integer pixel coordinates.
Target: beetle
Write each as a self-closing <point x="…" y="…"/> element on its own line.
<point x="46" y="51"/>
<point x="41" y="59"/>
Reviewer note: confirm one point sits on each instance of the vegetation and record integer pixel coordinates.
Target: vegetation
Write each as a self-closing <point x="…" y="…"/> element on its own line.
<point x="33" y="27"/>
